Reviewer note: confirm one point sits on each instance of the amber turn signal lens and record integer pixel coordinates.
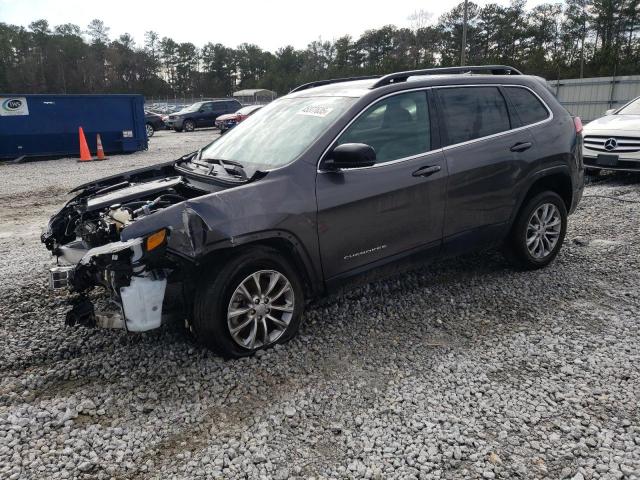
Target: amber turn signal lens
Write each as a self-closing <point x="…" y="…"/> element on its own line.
<point x="156" y="239"/>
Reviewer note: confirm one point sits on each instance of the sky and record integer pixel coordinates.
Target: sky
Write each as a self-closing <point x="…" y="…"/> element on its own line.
<point x="268" y="24"/>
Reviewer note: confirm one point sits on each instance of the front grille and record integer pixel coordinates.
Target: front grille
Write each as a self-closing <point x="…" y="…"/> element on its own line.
<point x="621" y="144"/>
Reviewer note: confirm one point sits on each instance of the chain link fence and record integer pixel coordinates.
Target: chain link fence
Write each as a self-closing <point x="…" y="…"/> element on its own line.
<point x="173" y="104"/>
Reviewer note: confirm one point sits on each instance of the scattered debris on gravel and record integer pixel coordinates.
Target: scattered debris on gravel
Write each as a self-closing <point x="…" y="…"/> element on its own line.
<point x="462" y="369"/>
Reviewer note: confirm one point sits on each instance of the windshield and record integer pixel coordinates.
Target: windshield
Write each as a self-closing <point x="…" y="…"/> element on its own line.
<point x="632" y="109"/>
<point x="247" y="110"/>
<point x="278" y="133"/>
<point x="194" y="108"/>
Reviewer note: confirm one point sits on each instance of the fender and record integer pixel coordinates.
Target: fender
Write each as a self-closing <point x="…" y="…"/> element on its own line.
<point x="532" y="179"/>
<point x="303" y="259"/>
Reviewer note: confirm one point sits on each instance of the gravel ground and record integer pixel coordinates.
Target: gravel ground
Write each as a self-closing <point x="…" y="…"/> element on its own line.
<point x="463" y="369"/>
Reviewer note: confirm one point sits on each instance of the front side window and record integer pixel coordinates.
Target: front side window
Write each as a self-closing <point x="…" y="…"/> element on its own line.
<point x="528" y="107"/>
<point x="396" y="127"/>
<point x="473" y="112"/>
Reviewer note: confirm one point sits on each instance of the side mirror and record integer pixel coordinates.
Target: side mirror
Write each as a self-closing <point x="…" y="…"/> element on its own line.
<point x="350" y="155"/>
<point x="610" y="111"/>
<point x="201" y="110"/>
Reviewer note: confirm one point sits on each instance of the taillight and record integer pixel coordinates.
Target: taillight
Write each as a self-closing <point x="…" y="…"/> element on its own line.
<point x="578" y="123"/>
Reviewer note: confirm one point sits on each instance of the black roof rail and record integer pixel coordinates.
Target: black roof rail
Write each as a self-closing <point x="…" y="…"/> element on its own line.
<point x="330" y="81"/>
<point x="402" y="76"/>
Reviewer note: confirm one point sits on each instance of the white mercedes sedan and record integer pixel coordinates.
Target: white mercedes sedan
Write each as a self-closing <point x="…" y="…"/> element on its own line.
<point x="612" y="142"/>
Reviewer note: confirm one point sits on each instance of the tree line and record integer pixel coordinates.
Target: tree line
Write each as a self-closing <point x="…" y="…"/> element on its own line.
<point x="554" y="40"/>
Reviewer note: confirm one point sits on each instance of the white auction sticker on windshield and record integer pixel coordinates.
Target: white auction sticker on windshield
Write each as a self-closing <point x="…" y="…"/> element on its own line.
<point x="315" y="111"/>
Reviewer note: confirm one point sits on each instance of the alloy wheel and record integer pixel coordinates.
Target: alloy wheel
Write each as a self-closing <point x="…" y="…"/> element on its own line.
<point x="260" y="309"/>
<point x="543" y="230"/>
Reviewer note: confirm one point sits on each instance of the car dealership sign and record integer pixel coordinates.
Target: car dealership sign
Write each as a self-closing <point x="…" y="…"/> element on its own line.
<point x="13" y="106"/>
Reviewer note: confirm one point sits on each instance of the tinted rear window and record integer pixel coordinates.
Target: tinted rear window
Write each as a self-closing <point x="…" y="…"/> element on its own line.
<point x="473" y="112"/>
<point x="528" y="107"/>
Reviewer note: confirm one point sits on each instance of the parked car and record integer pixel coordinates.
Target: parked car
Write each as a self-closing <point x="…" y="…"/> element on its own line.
<point x="228" y="121"/>
<point x="335" y="180"/>
<point x="153" y="122"/>
<point x="201" y="114"/>
<point x="612" y="142"/>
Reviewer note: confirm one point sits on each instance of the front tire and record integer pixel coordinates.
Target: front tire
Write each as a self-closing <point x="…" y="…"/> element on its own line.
<point x="189" y="126"/>
<point x="538" y="232"/>
<point x="252" y="302"/>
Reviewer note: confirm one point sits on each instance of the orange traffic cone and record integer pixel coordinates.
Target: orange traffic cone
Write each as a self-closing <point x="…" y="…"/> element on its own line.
<point x="100" y="150"/>
<point x="85" y="154"/>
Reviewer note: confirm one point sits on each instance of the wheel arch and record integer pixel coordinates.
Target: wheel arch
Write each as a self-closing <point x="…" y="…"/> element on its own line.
<point x="555" y="179"/>
<point x="283" y="242"/>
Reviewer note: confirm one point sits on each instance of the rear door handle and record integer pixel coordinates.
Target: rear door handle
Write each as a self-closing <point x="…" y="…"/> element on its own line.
<point x="521" y="147"/>
<point x="426" y="171"/>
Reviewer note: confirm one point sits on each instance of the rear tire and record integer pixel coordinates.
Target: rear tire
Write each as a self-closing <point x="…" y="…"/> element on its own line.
<point x="149" y="129"/>
<point x="538" y="232"/>
<point x="228" y="320"/>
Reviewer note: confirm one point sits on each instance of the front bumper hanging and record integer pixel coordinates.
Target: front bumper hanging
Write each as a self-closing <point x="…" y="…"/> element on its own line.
<point x="137" y="293"/>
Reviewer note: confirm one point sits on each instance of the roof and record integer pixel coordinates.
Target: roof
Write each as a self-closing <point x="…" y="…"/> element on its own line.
<point x="347" y="88"/>
<point x="250" y="92"/>
<point x="360" y="88"/>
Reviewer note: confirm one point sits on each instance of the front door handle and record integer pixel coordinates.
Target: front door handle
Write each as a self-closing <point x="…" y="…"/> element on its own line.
<point x="426" y="171"/>
<point x="521" y="147"/>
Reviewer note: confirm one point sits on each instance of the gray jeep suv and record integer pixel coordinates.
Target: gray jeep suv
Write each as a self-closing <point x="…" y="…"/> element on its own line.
<point x="336" y="179"/>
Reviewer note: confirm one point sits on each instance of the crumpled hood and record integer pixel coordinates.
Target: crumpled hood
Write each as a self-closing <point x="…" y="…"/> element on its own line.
<point x="220" y="215"/>
<point x="615" y="122"/>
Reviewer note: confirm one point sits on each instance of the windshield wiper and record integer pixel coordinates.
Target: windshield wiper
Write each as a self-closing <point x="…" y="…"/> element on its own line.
<point x="230" y="166"/>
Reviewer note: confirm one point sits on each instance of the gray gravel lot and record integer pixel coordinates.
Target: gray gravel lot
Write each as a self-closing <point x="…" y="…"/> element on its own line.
<point x="463" y="369"/>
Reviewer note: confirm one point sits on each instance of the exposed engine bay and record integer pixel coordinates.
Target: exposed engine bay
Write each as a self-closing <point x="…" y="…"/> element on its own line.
<point x="97" y="219"/>
<point x="89" y="238"/>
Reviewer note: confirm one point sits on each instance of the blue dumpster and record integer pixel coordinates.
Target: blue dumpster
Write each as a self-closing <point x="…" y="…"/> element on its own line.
<point x="37" y="125"/>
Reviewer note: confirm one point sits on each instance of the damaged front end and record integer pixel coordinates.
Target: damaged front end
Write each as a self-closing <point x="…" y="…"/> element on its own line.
<point x="135" y="285"/>
<point x="144" y="236"/>
<point x="91" y="239"/>
<point x="133" y="272"/>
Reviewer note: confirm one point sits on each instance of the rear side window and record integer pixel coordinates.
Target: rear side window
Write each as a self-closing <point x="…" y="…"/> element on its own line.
<point x="528" y="107"/>
<point x="396" y="127"/>
<point x="473" y="112"/>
